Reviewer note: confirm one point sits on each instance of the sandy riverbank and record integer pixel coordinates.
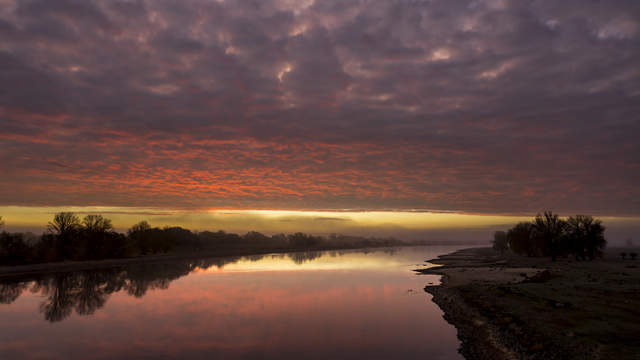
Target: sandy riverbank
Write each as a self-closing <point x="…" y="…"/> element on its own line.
<point x="512" y="307"/>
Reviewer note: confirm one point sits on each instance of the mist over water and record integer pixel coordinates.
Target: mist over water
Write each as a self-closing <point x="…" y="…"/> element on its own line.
<point x="345" y="305"/>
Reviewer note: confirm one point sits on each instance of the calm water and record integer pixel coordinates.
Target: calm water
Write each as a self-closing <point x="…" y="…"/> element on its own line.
<point x="318" y="305"/>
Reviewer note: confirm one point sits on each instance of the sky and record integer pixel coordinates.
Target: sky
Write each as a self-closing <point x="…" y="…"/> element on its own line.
<point x="481" y="108"/>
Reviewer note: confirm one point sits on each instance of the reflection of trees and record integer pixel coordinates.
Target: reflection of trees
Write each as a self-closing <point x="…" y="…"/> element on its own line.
<point x="304" y="256"/>
<point x="10" y="292"/>
<point x="93" y="292"/>
<point x="59" y="302"/>
<point x="87" y="291"/>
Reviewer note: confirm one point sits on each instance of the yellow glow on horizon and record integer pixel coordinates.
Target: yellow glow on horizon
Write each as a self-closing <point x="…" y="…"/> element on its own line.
<point x="403" y="224"/>
<point x="407" y="218"/>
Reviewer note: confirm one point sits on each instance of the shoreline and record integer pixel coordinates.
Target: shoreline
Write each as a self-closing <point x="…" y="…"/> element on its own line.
<point x="509" y="307"/>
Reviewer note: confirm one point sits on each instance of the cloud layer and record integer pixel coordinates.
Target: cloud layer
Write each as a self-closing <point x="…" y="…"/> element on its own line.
<point x="480" y="106"/>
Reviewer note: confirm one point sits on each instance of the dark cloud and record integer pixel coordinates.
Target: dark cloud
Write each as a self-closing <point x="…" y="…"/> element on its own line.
<point x="487" y="106"/>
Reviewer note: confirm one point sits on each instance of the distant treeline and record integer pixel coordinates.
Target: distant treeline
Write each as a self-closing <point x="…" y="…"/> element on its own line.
<point x="548" y="235"/>
<point x="93" y="238"/>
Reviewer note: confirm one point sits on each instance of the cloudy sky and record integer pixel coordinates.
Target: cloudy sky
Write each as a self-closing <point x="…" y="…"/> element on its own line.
<point x="480" y="107"/>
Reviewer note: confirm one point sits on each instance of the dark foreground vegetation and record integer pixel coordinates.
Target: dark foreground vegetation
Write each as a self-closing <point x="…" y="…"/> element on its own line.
<point x="68" y="238"/>
<point x="579" y="236"/>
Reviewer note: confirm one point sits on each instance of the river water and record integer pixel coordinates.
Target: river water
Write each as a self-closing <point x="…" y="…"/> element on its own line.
<point x="355" y="304"/>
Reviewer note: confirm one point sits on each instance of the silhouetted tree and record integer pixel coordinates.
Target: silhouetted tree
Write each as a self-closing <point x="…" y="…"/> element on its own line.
<point x="97" y="223"/>
<point x="63" y="223"/>
<point x="633" y="255"/>
<point x="585" y="236"/>
<point x="99" y="240"/>
<point x="256" y="238"/>
<point x="178" y="238"/>
<point x="550" y="229"/>
<point x="580" y="235"/>
<point x="140" y="237"/>
<point x="65" y="226"/>
<point x="279" y="240"/>
<point x="521" y="241"/>
<point x="594" y="237"/>
<point x="500" y="242"/>
<point x="575" y="234"/>
<point x="624" y="255"/>
<point x="301" y="241"/>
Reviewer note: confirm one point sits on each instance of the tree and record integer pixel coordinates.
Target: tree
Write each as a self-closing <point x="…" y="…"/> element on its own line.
<point x="1" y="222"/>
<point x="98" y="239"/>
<point x="141" y="226"/>
<point x="585" y="236"/>
<point x="594" y="237"/>
<point x="520" y="239"/>
<point x="63" y="223"/>
<point x="575" y="234"/>
<point x="500" y="242"/>
<point x="97" y="224"/>
<point x="301" y="240"/>
<point x="64" y="226"/>
<point x="550" y="229"/>
<point x="140" y="235"/>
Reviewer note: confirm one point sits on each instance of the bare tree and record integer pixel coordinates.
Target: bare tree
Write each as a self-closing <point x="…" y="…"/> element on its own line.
<point x="96" y="223"/>
<point x="594" y="237"/>
<point x="586" y="236"/>
<point x="141" y="226"/>
<point x="550" y="228"/>
<point x="65" y="226"/>
<point x="63" y="223"/>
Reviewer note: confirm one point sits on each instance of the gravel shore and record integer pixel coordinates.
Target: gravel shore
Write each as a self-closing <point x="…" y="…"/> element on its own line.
<point x="510" y="307"/>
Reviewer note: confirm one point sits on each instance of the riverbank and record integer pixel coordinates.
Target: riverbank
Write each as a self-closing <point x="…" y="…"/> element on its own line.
<point x="511" y="307"/>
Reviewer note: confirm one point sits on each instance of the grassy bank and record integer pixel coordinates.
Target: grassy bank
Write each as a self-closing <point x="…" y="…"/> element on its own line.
<point x="512" y="307"/>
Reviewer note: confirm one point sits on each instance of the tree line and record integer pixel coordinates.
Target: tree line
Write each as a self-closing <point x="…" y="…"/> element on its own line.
<point x="93" y="238"/>
<point x="580" y="236"/>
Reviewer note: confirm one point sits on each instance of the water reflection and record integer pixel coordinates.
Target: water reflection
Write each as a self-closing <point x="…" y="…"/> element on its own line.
<point x="87" y="291"/>
<point x="314" y="305"/>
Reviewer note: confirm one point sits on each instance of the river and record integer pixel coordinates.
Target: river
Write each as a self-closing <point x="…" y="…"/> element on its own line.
<point x="355" y="304"/>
